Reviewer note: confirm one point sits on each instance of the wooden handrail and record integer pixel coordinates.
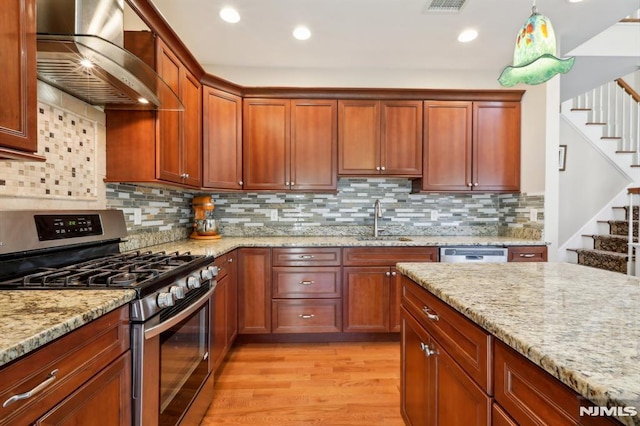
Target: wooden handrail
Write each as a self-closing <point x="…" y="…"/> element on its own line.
<point x="633" y="190"/>
<point x="628" y="89"/>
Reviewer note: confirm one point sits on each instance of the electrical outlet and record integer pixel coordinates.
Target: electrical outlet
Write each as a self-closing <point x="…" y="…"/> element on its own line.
<point x="137" y="216"/>
<point x="533" y="215"/>
<point x="274" y="214"/>
<point x="434" y="215"/>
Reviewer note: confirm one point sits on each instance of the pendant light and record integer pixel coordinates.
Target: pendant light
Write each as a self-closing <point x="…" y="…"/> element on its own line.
<point x="534" y="60"/>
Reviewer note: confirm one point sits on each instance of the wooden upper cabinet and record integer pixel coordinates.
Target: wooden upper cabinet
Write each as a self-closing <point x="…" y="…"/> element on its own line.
<point x="19" y="106"/>
<point x="471" y="146"/>
<point x="266" y="147"/>
<point x="496" y="150"/>
<point x="380" y="138"/>
<point x="179" y="134"/>
<point x="447" y="146"/>
<point x="222" y="139"/>
<point x="289" y="144"/>
<point x="314" y="145"/>
<point x="158" y="146"/>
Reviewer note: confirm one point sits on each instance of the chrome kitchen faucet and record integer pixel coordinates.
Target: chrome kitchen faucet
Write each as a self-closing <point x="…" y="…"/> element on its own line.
<point x="377" y="212"/>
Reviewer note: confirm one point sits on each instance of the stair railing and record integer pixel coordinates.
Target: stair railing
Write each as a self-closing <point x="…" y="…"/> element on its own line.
<point x="616" y="106"/>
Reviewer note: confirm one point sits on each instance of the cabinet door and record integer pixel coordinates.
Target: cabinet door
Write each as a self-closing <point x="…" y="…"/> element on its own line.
<point x="415" y="373"/>
<point x="266" y="147"/>
<point x="222" y="144"/>
<point x="447" y="146"/>
<point x="254" y="290"/>
<point x="219" y="327"/>
<point x="18" y="109"/>
<point x="314" y="146"/>
<point x="459" y="401"/>
<point x="496" y="136"/>
<point x="106" y="396"/>
<point x="232" y="298"/>
<point x="358" y="137"/>
<point x="401" y="138"/>
<point x="191" y="130"/>
<point x="395" y="300"/>
<point x="168" y="125"/>
<point x="365" y="299"/>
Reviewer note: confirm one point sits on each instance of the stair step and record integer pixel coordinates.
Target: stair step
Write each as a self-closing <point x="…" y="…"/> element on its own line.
<point x="596" y="124"/>
<point x="619" y="227"/>
<point x="611" y="138"/>
<point x="625" y="152"/>
<point x="611" y="243"/>
<point x="601" y="259"/>
<point x="580" y="109"/>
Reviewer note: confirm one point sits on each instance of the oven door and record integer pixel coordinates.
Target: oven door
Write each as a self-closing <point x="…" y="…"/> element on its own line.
<point x="171" y="363"/>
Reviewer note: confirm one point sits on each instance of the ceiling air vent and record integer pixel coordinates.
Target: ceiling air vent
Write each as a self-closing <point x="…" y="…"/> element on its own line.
<point x="446" y="6"/>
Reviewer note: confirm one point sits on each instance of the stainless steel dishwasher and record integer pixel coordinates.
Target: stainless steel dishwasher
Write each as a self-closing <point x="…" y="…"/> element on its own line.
<point x="482" y="254"/>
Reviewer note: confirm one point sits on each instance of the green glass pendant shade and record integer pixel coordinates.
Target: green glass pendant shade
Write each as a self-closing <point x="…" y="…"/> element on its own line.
<point x="534" y="59"/>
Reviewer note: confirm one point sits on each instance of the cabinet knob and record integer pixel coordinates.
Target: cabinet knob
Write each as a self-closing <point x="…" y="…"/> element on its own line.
<point x="230" y="260"/>
<point x="475" y="184"/>
<point x="286" y="183"/>
<point x="430" y="314"/>
<point x="469" y="184"/>
<point x="383" y="168"/>
<point x="240" y="183"/>
<point x="394" y="273"/>
<point x="293" y="183"/>
<point x="388" y="273"/>
<point x="378" y="168"/>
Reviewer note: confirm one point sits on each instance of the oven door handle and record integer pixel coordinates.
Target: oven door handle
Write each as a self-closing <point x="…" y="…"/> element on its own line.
<point x="152" y="332"/>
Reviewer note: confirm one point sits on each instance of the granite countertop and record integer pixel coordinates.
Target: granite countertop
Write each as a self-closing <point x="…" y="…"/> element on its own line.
<point x="226" y="243"/>
<point x="32" y="318"/>
<point x="580" y="324"/>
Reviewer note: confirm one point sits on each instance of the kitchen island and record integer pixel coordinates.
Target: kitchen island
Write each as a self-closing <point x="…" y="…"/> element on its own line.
<point x="579" y="324"/>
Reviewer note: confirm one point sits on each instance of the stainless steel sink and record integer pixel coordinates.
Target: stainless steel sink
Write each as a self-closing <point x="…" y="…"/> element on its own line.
<point x="383" y="238"/>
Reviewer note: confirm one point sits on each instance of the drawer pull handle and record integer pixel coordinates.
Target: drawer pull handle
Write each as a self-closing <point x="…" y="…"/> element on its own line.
<point x="305" y="256"/>
<point x="427" y="350"/>
<point x="529" y="255"/>
<point x="306" y="316"/>
<point x="305" y="282"/>
<point x="46" y="382"/>
<point x="429" y="314"/>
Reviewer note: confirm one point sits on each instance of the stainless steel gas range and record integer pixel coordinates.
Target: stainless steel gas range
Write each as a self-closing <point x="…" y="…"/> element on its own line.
<point x="170" y="316"/>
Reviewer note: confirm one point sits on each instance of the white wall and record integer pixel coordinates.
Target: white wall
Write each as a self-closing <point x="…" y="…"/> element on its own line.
<point x="589" y="182"/>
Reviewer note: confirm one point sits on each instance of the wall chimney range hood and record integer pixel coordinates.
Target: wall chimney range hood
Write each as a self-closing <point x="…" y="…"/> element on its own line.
<point x="79" y="51"/>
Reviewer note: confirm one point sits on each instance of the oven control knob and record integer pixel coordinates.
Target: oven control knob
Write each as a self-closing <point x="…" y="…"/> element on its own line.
<point x="206" y="274"/>
<point x="165" y="300"/>
<point x="213" y="270"/>
<point x="193" y="281"/>
<point x="177" y="292"/>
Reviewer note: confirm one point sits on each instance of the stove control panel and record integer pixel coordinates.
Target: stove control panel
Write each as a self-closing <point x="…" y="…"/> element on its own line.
<point x="56" y="227"/>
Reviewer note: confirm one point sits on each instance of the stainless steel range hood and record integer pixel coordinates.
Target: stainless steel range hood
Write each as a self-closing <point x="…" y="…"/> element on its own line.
<point x="80" y="52"/>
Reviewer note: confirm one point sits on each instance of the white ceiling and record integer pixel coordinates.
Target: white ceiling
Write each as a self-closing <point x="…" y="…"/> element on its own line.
<point x="376" y="34"/>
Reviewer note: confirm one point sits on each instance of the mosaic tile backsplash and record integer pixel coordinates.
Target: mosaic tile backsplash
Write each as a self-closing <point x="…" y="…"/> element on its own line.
<point x="68" y="141"/>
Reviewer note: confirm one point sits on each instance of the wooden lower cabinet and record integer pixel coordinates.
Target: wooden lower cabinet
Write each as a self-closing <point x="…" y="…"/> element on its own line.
<point x="254" y="291"/>
<point x="306" y="316"/>
<point x="107" y="397"/>
<point x="500" y="418"/>
<point x="224" y="314"/>
<point x="88" y="376"/>
<point x="372" y="287"/>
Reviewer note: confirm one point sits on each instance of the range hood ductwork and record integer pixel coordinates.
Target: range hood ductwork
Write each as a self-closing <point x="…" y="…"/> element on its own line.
<point x="79" y="51"/>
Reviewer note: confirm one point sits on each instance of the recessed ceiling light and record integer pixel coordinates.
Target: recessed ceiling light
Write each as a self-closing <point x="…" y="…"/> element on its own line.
<point x="467" y="36"/>
<point x="86" y="63"/>
<point x="301" y="33"/>
<point x="575" y="1"/>
<point x="230" y="15"/>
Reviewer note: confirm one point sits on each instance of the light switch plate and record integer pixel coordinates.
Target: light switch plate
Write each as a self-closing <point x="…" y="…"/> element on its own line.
<point x="274" y="214"/>
<point x="137" y="216"/>
<point x="533" y="215"/>
<point x="434" y="215"/>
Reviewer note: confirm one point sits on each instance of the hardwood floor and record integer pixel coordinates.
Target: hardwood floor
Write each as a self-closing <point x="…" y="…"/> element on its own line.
<point x="308" y="384"/>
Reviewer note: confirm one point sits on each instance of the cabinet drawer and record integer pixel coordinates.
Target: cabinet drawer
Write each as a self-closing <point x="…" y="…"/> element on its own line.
<point x="531" y="396"/>
<point x="467" y="343"/>
<point x="307" y="316"/>
<point x="527" y="254"/>
<point x="387" y="256"/>
<point x="76" y="357"/>
<point x="306" y="256"/>
<point x="313" y="282"/>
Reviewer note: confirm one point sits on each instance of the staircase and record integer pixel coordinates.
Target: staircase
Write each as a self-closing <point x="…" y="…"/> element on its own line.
<point x="609" y="115"/>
